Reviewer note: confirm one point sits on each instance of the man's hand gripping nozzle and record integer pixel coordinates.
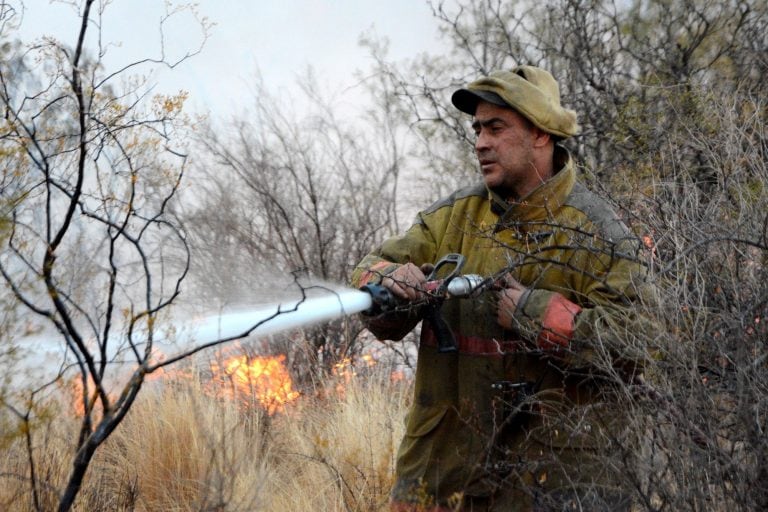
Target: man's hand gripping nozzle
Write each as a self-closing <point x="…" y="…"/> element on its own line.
<point x="438" y="288"/>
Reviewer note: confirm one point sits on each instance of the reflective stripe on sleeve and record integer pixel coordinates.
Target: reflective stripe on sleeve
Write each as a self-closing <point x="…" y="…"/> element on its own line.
<point x="558" y="323"/>
<point x="375" y="272"/>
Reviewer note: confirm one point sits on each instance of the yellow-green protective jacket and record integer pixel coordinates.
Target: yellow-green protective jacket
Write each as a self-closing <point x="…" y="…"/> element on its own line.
<point x="512" y="410"/>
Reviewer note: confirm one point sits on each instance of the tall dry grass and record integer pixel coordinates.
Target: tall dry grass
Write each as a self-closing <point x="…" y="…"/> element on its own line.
<point x="181" y="449"/>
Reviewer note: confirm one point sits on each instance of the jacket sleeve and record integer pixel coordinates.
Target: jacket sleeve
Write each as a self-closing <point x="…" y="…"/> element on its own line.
<point x="601" y="317"/>
<point x="417" y="246"/>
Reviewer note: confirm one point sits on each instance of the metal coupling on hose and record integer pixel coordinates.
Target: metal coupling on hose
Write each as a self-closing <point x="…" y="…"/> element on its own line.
<point x="464" y="285"/>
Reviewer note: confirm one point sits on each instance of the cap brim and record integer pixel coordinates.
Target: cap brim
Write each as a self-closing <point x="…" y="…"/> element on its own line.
<point x="466" y="100"/>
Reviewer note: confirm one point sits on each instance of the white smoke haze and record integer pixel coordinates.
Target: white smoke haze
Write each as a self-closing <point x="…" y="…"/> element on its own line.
<point x="275" y="304"/>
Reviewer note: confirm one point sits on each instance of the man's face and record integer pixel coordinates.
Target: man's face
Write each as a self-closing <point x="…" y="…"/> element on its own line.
<point x="505" y="149"/>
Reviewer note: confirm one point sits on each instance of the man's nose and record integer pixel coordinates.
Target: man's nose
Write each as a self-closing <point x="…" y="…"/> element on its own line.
<point x="481" y="142"/>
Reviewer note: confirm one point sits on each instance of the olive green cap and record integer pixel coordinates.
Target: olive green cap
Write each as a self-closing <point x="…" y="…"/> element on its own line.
<point x="530" y="90"/>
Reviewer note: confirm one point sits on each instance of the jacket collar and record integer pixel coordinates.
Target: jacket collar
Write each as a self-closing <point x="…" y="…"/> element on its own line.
<point x="543" y="200"/>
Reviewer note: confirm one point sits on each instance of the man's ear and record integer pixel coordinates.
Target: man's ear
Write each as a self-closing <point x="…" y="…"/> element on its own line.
<point x="540" y="137"/>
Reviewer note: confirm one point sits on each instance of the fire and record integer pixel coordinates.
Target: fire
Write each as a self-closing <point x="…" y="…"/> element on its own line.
<point x="244" y="378"/>
<point x="650" y="244"/>
<point x="398" y="376"/>
<point x="72" y="388"/>
<point x="346" y="370"/>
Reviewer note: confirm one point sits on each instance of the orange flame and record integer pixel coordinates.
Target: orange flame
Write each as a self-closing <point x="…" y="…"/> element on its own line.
<point x="245" y="378"/>
<point x="346" y="370"/>
<point x="72" y="388"/>
<point x="248" y="380"/>
<point x="650" y="244"/>
<point x="398" y="376"/>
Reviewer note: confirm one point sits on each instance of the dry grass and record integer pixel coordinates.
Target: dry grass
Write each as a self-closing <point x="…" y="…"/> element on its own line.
<point x="338" y="453"/>
<point x="180" y="449"/>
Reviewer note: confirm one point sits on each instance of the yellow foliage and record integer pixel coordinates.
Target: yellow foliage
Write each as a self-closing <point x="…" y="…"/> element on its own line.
<point x="170" y="104"/>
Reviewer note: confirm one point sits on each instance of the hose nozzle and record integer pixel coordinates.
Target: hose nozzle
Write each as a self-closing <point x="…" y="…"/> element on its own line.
<point x="464" y="285"/>
<point x="437" y="288"/>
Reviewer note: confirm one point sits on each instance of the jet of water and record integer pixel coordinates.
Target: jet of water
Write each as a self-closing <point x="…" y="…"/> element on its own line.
<point x="45" y="354"/>
<point x="272" y="319"/>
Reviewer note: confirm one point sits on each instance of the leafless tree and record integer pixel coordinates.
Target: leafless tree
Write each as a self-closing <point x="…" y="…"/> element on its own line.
<point x="707" y="417"/>
<point x="92" y="255"/>
<point x="289" y="191"/>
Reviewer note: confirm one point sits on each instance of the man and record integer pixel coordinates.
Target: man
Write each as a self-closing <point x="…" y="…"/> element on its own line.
<point x="520" y="417"/>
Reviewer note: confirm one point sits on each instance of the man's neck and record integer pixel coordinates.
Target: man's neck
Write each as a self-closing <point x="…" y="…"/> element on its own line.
<point x="522" y="190"/>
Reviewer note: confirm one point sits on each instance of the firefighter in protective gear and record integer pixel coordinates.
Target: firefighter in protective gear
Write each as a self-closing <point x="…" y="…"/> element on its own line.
<point x="520" y="417"/>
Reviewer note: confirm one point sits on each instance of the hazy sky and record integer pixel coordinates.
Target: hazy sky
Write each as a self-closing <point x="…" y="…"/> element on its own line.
<point x="280" y="38"/>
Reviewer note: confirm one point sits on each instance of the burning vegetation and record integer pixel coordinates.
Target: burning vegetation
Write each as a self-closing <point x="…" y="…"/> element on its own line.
<point x="253" y="380"/>
<point x="238" y="376"/>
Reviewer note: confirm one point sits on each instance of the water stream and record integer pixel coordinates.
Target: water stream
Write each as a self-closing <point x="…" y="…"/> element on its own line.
<point x="272" y="319"/>
<point x="44" y="355"/>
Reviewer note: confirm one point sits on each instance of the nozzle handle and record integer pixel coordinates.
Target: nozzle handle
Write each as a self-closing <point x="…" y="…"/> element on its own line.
<point x="455" y="259"/>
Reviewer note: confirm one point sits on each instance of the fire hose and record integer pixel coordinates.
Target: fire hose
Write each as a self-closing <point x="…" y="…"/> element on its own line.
<point x="438" y="290"/>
